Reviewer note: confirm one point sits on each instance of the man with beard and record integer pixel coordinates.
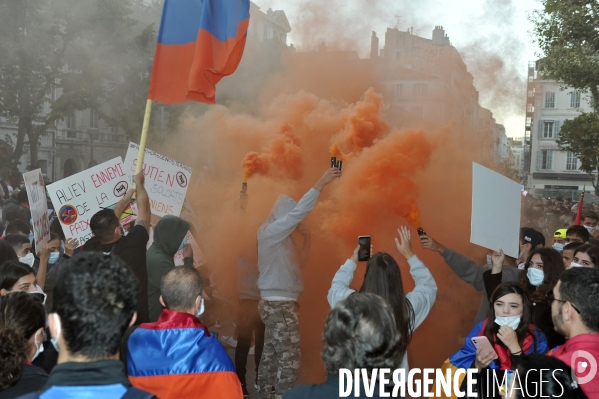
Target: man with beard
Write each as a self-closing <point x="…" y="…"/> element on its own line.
<point x="575" y="314"/>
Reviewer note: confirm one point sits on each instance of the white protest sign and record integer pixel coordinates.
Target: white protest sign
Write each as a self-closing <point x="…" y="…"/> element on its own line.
<point x="166" y="180"/>
<point x="495" y="211"/>
<point x="36" y="191"/>
<point x="77" y="198"/>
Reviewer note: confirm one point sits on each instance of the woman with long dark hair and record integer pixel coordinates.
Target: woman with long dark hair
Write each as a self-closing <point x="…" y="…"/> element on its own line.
<point x="587" y="255"/>
<point x="22" y="322"/>
<point x="383" y="278"/>
<point x="541" y="273"/>
<point x="510" y="332"/>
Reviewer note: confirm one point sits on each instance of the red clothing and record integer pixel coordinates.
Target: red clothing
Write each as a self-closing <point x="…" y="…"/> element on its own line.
<point x="573" y="354"/>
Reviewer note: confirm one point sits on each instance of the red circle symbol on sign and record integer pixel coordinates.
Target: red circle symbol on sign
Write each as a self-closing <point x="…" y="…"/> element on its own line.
<point x="181" y="179"/>
<point x="120" y="189"/>
<point x="68" y="214"/>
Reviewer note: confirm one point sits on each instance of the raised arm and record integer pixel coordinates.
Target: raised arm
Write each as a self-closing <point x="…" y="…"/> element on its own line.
<point x="304" y="251"/>
<point x="143" y="202"/>
<point x="423" y="296"/>
<point x="492" y="278"/>
<point x="120" y="206"/>
<point x="44" y="255"/>
<point x="340" y="287"/>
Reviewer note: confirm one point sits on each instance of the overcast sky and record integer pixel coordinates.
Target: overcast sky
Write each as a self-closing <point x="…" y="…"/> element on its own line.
<point x="494" y="37"/>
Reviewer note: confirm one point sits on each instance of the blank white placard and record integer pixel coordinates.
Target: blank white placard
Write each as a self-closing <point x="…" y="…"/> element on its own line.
<point x="495" y="211"/>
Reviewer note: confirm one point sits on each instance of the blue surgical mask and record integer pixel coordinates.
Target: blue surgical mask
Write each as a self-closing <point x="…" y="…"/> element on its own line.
<point x="558" y="247"/>
<point x="183" y="243"/>
<point x="54" y="256"/>
<point x="535" y="276"/>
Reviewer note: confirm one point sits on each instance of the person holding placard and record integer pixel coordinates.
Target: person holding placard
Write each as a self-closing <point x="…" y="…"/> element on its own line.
<point x="109" y="238"/>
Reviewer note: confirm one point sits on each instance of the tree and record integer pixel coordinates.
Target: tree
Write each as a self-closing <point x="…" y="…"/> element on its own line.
<point x="567" y="33"/>
<point x="581" y="137"/>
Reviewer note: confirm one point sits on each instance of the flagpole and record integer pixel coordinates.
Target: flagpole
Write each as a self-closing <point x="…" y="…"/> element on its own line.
<point x="144" y="137"/>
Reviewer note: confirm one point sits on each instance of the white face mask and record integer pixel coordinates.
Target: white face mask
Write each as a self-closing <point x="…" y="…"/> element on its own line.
<point x="510" y="321"/>
<point x="200" y="308"/>
<point x="39" y="348"/>
<point x="574" y="264"/>
<point x="28" y="259"/>
<point x="535" y="276"/>
<point x="589" y="228"/>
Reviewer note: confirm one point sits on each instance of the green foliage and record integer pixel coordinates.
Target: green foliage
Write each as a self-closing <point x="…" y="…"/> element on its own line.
<point x="581" y="137"/>
<point x="567" y="33"/>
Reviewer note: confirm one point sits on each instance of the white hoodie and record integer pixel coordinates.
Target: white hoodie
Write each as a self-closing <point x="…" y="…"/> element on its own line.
<point x="280" y="275"/>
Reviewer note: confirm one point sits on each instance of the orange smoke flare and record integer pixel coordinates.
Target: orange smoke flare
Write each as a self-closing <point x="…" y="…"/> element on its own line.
<point x="281" y="157"/>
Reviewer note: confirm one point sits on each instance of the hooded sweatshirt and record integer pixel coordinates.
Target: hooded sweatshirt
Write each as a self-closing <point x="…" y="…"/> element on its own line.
<point x="168" y="235"/>
<point x="278" y="264"/>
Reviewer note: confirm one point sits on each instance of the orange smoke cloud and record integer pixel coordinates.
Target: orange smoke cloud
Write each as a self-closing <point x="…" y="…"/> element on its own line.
<point x="283" y="155"/>
<point x="380" y="183"/>
<point x="363" y="126"/>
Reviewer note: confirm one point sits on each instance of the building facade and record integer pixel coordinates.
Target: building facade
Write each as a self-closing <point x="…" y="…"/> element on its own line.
<point x="553" y="172"/>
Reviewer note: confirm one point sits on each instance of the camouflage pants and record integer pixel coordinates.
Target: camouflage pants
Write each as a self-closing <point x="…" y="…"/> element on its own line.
<point x="281" y="354"/>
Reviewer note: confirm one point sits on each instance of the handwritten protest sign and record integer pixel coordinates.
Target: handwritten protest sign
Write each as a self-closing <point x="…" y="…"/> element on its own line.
<point x="36" y="191"/>
<point x="166" y="180"/>
<point x="495" y="211"/>
<point x="77" y="198"/>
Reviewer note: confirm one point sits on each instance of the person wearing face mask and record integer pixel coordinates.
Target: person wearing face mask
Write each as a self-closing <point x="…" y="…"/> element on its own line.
<point x="559" y="240"/>
<point x="510" y="330"/>
<point x="568" y="253"/>
<point x="179" y="347"/>
<point x="472" y="272"/>
<point x="170" y="236"/>
<point x="22" y="322"/>
<point x="539" y="276"/>
<point x="109" y="238"/>
<point x="586" y="255"/>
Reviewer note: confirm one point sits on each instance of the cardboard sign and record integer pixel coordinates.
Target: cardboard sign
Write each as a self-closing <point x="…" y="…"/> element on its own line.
<point x="77" y="198"/>
<point x="36" y="191"/>
<point x="495" y="211"/>
<point x="166" y="180"/>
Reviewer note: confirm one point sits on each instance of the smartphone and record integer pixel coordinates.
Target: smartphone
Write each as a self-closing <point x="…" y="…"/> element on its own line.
<point x="508" y="378"/>
<point x="339" y="164"/>
<point x="333" y="162"/>
<point x="484" y="344"/>
<point x="364" y="251"/>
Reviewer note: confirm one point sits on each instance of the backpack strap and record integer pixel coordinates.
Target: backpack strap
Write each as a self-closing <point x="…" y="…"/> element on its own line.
<point x="133" y="393"/>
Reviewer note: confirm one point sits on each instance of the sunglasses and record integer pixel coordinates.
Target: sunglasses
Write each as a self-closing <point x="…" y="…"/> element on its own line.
<point x="550" y="298"/>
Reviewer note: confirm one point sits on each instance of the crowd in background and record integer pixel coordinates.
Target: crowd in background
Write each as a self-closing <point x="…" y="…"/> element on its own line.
<point x="113" y="318"/>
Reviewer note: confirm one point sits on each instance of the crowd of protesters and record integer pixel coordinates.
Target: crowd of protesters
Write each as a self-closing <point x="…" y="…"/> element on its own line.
<point x="115" y="319"/>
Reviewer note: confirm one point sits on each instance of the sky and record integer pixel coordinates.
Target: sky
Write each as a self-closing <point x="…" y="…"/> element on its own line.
<point x="493" y="36"/>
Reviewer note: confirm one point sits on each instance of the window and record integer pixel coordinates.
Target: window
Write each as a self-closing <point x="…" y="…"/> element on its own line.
<point x="550" y="99"/>
<point x="397" y="90"/>
<point x="574" y="99"/>
<point x="93" y="118"/>
<point x="571" y="162"/>
<point x="70" y="122"/>
<point x="545" y="160"/>
<point x="548" y="129"/>
<point x="420" y="90"/>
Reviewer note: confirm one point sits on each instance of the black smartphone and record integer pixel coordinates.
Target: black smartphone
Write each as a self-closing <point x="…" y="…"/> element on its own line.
<point x="364" y="251"/>
<point x="339" y="164"/>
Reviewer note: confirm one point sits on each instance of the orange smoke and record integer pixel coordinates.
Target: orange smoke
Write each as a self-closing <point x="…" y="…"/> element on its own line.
<point x="283" y="155"/>
<point x="380" y="183"/>
<point x="363" y="126"/>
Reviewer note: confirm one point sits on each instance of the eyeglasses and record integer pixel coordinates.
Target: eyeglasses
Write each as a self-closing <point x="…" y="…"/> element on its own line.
<point x="550" y="298"/>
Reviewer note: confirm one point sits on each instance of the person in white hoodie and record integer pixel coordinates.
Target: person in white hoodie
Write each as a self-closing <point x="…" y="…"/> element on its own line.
<point x="280" y="284"/>
<point x="384" y="278"/>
